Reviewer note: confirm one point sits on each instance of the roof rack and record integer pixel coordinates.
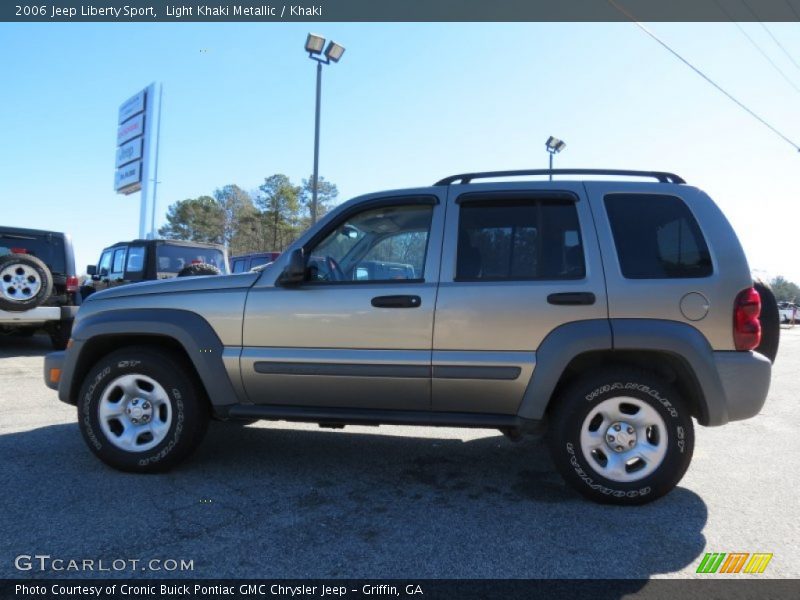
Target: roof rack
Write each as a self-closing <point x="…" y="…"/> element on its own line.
<point x="661" y="176"/>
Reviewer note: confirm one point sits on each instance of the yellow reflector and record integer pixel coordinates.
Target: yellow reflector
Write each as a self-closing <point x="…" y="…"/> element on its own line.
<point x="55" y="375"/>
<point x="69" y="343"/>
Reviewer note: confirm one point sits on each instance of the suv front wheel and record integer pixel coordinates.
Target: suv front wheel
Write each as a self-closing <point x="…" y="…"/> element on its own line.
<point x="140" y="410"/>
<point x="621" y="436"/>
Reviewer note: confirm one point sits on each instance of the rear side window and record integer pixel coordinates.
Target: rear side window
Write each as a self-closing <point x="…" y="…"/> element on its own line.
<point x="657" y="237"/>
<point x="119" y="260"/>
<point x="518" y="240"/>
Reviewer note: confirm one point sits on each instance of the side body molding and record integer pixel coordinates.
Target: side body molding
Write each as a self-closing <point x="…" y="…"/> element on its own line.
<point x="189" y="329"/>
<point x="554" y="354"/>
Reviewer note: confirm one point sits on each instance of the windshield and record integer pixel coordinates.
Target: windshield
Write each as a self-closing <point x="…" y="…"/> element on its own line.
<point x="47" y="248"/>
<point x="171" y="259"/>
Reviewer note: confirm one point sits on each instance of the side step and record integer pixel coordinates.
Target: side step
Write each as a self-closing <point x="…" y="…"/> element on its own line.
<point x="363" y="416"/>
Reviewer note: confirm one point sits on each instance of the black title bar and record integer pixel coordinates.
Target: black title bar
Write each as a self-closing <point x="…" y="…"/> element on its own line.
<point x="398" y="10"/>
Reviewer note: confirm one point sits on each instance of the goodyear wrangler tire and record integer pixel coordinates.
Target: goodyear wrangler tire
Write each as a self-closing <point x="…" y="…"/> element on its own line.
<point x="621" y="436"/>
<point x="140" y="410"/>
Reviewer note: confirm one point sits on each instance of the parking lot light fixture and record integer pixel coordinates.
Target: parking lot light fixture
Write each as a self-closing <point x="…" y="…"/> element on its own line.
<point x="554" y="146"/>
<point x="314" y="43"/>
<point x="333" y="53"/>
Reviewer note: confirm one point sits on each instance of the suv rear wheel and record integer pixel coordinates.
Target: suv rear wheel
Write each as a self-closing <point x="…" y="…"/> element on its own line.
<point x="140" y="410"/>
<point x="25" y="282"/>
<point x="621" y="436"/>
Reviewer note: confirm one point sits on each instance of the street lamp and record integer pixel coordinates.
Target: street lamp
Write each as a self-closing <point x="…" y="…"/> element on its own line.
<point x="333" y="53"/>
<point x="554" y="146"/>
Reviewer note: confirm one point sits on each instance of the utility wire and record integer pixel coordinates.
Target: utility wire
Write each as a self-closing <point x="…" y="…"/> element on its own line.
<point x="701" y="74"/>
<point x="774" y="39"/>
<point x="758" y="47"/>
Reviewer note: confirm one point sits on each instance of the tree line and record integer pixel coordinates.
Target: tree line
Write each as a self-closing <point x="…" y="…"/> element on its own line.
<point x="268" y="219"/>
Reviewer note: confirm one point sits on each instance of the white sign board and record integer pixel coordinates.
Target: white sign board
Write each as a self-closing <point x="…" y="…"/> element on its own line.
<point x="128" y="179"/>
<point x="129" y="151"/>
<point x="130" y="129"/>
<point x="132" y="106"/>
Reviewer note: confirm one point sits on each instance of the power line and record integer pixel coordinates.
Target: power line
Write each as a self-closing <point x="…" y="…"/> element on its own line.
<point x="703" y="75"/>
<point x="774" y="39"/>
<point x="758" y="47"/>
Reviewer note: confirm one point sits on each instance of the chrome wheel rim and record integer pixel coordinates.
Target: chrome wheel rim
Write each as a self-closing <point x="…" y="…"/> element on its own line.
<point x="134" y="412"/>
<point x="20" y="282"/>
<point x="624" y="439"/>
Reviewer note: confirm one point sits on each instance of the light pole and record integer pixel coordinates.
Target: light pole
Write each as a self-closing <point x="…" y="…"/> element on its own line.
<point x="314" y="45"/>
<point x="554" y="146"/>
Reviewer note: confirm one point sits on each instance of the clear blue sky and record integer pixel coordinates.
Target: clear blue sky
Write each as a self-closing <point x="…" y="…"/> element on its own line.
<point x="408" y="104"/>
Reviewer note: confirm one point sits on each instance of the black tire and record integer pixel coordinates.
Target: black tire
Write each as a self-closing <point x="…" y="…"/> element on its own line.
<point x="60" y="333"/>
<point x="770" y="319"/>
<point x="26" y="282"/>
<point x="198" y="269"/>
<point x="182" y="394"/>
<point x="576" y="403"/>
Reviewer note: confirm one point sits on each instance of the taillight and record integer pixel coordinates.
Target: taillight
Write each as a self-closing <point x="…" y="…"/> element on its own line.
<point x="746" y="326"/>
<point x="72" y="283"/>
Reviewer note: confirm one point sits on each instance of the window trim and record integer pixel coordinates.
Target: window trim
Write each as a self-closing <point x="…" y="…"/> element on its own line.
<point x="535" y="198"/>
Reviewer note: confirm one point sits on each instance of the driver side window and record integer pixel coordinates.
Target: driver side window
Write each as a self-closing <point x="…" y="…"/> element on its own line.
<point x="380" y="244"/>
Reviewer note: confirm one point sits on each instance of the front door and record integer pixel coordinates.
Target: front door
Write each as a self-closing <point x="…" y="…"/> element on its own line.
<point x="357" y="332"/>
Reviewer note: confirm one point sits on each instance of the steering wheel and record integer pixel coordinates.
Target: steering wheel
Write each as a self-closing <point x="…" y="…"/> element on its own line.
<point x="334" y="269"/>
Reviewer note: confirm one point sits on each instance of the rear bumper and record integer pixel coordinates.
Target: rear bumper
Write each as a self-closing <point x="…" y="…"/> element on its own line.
<point x="34" y="316"/>
<point x="38" y="316"/>
<point x="745" y="378"/>
<point x="53" y="360"/>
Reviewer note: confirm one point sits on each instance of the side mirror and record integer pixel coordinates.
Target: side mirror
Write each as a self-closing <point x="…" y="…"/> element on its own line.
<point x="295" y="271"/>
<point x="91" y="270"/>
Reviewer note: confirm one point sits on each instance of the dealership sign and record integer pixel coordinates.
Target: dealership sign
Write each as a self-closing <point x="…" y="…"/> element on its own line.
<point x="128" y="177"/>
<point x="129" y="151"/>
<point x="131" y="143"/>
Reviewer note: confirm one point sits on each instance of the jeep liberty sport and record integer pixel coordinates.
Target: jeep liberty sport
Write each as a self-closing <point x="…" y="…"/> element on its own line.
<point x="608" y="313"/>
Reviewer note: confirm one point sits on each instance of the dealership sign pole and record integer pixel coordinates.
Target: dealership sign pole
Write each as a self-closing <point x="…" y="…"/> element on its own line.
<point x="137" y="153"/>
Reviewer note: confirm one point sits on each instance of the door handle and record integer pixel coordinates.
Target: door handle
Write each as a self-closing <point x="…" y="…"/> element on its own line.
<point x="571" y="298"/>
<point x="397" y="301"/>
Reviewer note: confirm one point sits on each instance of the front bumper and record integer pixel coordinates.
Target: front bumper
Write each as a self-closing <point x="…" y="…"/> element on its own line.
<point x="745" y="378"/>
<point x="53" y="364"/>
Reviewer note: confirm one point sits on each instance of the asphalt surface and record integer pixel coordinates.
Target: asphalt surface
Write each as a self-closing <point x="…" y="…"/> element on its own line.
<point x="295" y="501"/>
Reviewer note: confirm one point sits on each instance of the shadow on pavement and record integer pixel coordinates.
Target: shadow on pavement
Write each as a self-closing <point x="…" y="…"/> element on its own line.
<point x="262" y="502"/>
<point x="16" y="345"/>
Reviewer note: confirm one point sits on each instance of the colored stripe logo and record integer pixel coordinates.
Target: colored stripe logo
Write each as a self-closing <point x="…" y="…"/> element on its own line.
<point x="734" y="562"/>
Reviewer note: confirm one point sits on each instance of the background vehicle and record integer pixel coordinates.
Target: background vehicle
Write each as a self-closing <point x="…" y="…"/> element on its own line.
<point x="245" y="262"/>
<point x="146" y="260"/>
<point x="611" y="314"/>
<point x="788" y="312"/>
<point x="39" y="283"/>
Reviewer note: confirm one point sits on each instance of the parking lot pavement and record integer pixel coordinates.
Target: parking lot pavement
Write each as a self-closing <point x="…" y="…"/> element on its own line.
<point x="280" y="500"/>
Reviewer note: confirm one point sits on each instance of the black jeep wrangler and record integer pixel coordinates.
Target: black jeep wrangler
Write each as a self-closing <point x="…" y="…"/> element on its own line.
<point x="38" y="283"/>
<point x="146" y="260"/>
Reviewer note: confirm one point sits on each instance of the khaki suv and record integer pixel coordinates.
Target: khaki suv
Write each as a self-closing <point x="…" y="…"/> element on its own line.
<point x="610" y="314"/>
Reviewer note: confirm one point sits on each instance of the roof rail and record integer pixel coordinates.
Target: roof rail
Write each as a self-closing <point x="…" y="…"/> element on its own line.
<point x="661" y="176"/>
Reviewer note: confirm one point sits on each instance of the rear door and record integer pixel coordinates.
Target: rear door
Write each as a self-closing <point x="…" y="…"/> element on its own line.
<point x="517" y="263"/>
